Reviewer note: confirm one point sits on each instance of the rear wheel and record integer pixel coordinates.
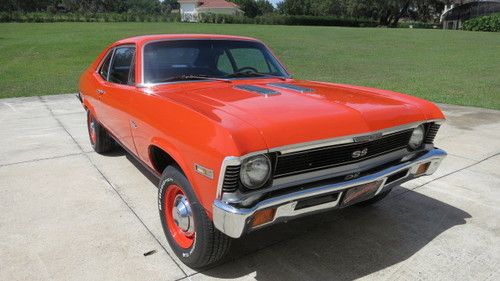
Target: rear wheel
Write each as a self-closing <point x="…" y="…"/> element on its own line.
<point x="99" y="139"/>
<point x="189" y="231"/>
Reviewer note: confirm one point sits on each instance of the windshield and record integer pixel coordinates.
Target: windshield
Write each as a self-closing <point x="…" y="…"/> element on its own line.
<point x="168" y="61"/>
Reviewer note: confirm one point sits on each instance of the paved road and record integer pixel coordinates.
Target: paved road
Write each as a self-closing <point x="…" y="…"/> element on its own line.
<point x="67" y="213"/>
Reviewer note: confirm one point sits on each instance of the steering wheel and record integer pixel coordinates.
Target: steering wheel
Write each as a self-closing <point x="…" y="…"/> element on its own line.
<point x="249" y="68"/>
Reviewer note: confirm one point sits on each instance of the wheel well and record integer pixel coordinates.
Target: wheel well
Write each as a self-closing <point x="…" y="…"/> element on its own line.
<point x="160" y="159"/>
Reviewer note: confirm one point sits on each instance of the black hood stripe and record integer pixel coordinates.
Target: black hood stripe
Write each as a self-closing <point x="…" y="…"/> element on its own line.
<point x="257" y="89"/>
<point x="291" y="87"/>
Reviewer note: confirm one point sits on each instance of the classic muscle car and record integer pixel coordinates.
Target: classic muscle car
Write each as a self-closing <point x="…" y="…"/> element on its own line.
<point x="238" y="144"/>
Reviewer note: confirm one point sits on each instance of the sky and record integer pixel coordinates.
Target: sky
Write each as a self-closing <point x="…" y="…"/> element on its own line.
<point x="274" y="2"/>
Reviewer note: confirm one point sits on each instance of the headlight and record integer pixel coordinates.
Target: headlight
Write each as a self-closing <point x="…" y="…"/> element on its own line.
<point x="417" y="137"/>
<point x="255" y="171"/>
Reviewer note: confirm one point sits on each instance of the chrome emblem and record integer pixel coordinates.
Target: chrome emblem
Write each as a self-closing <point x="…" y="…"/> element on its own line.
<point x="352" y="176"/>
<point x="367" y="138"/>
<point x="359" y="153"/>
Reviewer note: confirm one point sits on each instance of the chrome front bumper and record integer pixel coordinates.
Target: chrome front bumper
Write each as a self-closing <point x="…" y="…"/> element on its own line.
<point x="234" y="221"/>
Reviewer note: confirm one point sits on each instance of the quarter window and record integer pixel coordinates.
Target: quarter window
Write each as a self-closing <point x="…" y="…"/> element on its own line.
<point x="105" y="66"/>
<point x="121" y="64"/>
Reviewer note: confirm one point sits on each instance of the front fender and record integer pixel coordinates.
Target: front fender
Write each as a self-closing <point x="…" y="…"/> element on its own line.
<point x="174" y="153"/>
<point x="203" y="187"/>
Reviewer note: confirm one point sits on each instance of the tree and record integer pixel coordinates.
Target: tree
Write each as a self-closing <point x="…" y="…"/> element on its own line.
<point x="8" y="5"/>
<point x="386" y="12"/>
<point x="24" y="5"/>
<point x="265" y="7"/>
<point x="426" y="10"/>
<point x="296" y="7"/>
<point x="253" y="8"/>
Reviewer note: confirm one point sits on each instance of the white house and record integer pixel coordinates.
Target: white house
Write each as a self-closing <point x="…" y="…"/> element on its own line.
<point x="461" y="10"/>
<point x="190" y="9"/>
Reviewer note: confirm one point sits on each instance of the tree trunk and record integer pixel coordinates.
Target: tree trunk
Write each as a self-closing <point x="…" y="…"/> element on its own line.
<point x="402" y="12"/>
<point x="384" y="19"/>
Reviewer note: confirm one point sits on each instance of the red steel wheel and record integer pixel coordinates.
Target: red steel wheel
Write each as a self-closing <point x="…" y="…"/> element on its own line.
<point x="179" y="216"/>
<point x="91" y="124"/>
<point x="189" y="231"/>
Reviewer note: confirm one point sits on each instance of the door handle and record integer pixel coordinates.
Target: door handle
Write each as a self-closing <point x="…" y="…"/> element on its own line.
<point x="100" y="92"/>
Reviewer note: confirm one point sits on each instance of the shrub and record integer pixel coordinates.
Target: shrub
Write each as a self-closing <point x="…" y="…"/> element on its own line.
<point x="484" y="23"/>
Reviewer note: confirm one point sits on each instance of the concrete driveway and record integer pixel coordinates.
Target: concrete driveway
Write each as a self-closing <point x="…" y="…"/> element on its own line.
<point x="67" y="213"/>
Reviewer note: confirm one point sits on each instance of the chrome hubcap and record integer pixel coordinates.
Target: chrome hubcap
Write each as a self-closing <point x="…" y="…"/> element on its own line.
<point x="183" y="216"/>
<point x="92" y="126"/>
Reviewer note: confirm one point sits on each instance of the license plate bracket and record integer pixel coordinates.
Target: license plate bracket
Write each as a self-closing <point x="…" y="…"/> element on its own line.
<point x="360" y="193"/>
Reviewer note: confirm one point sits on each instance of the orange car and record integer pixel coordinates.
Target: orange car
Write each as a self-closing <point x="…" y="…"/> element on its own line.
<point x="238" y="144"/>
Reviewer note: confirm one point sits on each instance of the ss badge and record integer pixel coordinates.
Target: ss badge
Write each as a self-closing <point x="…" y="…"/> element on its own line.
<point x="359" y="153"/>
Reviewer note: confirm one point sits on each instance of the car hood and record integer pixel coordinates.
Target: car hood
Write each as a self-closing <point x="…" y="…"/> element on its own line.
<point x="310" y="111"/>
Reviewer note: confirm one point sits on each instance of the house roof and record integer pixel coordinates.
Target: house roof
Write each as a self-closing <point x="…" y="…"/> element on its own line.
<point x="217" y="4"/>
<point x="207" y="4"/>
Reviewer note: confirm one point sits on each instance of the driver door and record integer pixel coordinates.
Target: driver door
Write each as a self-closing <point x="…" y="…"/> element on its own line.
<point x="117" y="94"/>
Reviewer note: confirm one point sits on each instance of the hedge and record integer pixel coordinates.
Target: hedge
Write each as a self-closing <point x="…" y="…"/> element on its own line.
<point x="273" y="19"/>
<point x="484" y="23"/>
<point x="85" y="17"/>
<point x="270" y="19"/>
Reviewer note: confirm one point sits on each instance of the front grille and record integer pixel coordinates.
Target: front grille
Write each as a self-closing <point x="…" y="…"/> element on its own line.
<point x="231" y="178"/>
<point x="326" y="157"/>
<point x="431" y="133"/>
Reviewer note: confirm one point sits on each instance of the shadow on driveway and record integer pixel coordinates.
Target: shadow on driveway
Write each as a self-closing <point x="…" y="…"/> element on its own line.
<point x="341" y="244"/>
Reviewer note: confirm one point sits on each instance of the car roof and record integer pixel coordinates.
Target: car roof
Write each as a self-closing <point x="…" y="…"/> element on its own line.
<point x="140" y="40"/>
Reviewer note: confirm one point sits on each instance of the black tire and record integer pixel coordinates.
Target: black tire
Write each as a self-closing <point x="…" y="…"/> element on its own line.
<point x="210" y="245"/>
<point x="375" y="199"/>
<point x="102" y="142"/>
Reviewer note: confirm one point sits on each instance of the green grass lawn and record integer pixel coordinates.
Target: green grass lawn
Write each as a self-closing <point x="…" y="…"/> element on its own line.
<point x="443" y="66"/>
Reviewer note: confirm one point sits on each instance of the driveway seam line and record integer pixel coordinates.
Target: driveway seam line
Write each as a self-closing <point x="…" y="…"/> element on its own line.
<point x="463" y="157"/>
<point x="39" y="159"/>
<point x="133" y="212"/>
<point x="59" y="122"/>
<point x="112" y="187"/>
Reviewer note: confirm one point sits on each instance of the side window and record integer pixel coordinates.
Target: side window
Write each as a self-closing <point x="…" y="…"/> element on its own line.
<point x="121" y="65"/>
<point x="250" y="57"/>
<point x="105" y="66"/>
<point x="224" y="64"/>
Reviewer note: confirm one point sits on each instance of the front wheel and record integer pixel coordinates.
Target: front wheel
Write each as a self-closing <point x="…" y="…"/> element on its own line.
<point x="189" y="231"/>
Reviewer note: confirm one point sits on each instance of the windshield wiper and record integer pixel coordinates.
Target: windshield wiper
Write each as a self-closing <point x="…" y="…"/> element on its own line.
<point x="193" y="77"/>
<point x="253" y="74"/>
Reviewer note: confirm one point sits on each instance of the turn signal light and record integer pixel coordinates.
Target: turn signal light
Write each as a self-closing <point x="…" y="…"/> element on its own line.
<point x="422" y="169"/>
<point x="262" y="217"/>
